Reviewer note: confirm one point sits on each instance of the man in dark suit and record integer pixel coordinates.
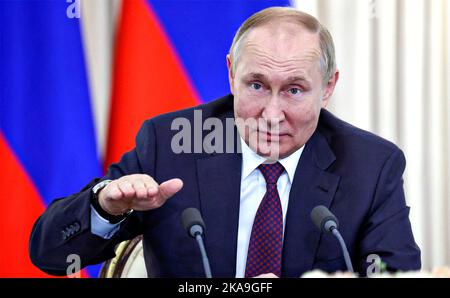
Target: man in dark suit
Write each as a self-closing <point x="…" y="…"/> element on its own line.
<point x="255" y="194"/>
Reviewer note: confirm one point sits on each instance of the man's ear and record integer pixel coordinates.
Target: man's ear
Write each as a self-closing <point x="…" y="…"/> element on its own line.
<point x="230" y="73"/>
<point x="329" y="89"/>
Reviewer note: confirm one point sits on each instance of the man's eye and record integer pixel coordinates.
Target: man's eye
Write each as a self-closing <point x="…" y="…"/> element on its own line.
<point x="255" y="86"/>
<point x="295" y="91"/>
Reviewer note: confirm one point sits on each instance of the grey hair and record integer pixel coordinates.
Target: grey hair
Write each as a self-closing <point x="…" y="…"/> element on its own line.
<point x="327" y="57"/>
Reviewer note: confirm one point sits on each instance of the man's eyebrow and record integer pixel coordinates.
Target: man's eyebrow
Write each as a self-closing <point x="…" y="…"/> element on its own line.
<point x="255" y="75"/>
<point x="297" y="78"/>
<point x="291" y="79"/>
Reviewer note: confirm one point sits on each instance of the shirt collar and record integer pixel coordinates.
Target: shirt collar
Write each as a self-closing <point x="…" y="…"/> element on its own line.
<point x="251" y="160"/>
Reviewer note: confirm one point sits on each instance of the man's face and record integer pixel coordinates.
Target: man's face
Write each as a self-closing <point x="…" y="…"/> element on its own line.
<point x="278" y="82"/>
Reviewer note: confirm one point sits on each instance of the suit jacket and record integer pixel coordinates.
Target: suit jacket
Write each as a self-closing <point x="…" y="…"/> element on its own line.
<point x="353" y="172"/>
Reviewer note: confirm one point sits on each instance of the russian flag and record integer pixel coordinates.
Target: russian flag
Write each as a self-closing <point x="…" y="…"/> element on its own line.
<point x="169" y="54"/>
<point x="47" y="142"/>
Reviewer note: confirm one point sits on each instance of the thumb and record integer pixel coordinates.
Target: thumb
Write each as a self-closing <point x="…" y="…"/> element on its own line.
<point x="169" y="188"/>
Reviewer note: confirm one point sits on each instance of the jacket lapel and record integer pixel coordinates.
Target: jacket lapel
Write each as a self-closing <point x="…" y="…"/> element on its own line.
<point x="312" y="186"/>
<point x="219" y="178"/>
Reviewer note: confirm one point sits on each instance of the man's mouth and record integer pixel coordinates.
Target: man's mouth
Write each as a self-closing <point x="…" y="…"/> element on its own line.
<point x="270" y="136"/>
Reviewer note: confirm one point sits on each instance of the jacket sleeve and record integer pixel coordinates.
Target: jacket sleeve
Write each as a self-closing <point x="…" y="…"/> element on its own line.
<point x="387" y="233"/>
<point x="64" y="228"/>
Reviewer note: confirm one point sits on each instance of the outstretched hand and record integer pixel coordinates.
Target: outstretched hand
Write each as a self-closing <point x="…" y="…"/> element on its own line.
<point x="138" y="192"/>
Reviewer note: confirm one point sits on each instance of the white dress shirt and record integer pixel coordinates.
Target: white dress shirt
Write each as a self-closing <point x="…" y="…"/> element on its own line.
<point x="253" y="189"/>
<point x="102" y="227"/>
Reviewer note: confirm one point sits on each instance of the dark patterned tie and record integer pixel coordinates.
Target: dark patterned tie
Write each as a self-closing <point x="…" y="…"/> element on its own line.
<point x="266" y="240"/>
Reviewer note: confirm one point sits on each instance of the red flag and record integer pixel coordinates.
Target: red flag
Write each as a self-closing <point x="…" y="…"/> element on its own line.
<point x="148" y="77"/>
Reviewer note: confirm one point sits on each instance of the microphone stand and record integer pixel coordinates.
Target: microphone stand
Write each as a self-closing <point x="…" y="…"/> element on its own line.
<point x="205" y="260"/>
<point x="348" y="262"/>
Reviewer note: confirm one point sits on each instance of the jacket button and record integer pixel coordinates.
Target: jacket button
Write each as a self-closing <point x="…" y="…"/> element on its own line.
<point x="76" y="226"/>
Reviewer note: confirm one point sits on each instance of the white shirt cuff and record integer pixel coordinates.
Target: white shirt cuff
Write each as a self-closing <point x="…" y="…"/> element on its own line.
<point x="102" y="227"/>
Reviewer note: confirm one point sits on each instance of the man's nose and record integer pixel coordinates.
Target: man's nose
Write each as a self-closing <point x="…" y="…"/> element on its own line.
<point x="273" y="112"/>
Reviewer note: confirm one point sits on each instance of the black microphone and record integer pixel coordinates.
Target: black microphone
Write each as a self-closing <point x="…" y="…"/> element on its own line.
<point x="194" y="225"/>
<point x="327" y="222"/>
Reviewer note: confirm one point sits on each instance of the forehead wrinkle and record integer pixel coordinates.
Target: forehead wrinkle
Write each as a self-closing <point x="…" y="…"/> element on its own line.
<point x="294" y="67"/>
<point x="272" y="60"/>
<point x="290" y="72"/>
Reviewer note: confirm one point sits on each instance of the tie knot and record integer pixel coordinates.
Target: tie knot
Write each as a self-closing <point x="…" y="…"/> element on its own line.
<point x="271" y="172"/>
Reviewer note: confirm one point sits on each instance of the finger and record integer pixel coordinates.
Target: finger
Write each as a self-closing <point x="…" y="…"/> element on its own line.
<point x="113" y="192"/>
<point x="148" y="181"/>
<point x="152" y="190"/>
<point x="127" y="189"/>
<point x="169" y="188"/>
<point x="159" y="194"/>
<point x="140" y="189"/>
